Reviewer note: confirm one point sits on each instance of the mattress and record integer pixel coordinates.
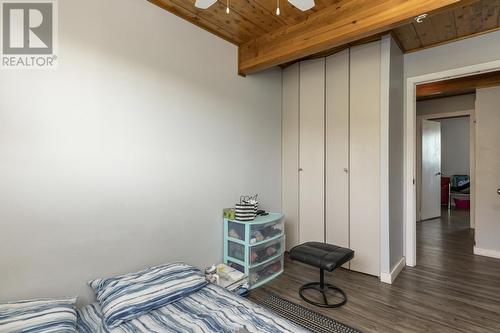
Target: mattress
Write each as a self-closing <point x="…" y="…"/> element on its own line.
<point x="211" y="309"/>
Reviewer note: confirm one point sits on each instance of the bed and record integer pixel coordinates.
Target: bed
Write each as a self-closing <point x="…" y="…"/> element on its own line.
<point x="211" y="309"/>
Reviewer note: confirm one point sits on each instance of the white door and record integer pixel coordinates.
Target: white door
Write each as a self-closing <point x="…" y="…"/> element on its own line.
<point x="431" y="170"/>
<point x="337" y="149"/>
<point x="290" y="154"/>
<point x="312" y="151"/>
<point x="364" y="193"/>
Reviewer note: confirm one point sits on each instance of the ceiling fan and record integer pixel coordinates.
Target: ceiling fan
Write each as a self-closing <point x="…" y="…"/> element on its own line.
<point x="303" y="5"/>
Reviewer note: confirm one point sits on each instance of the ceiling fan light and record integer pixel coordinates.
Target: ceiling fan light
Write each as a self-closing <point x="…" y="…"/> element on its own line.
<point x="204" y="4"/>
<point x="303" y="5"/>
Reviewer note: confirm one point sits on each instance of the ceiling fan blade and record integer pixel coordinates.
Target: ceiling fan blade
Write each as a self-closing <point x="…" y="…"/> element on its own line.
<point x="303" y="5"/>
<point x="204" y="4"/>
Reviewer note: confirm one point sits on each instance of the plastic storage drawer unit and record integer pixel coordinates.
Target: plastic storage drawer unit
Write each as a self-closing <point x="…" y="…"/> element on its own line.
<point x="256" y="247"/>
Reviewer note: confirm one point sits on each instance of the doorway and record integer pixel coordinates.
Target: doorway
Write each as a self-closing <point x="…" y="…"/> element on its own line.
<point x="445" y="148"/>
<point x="411" y="139"/>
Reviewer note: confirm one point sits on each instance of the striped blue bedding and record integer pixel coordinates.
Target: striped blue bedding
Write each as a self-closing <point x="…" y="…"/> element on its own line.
<point x="129" y="296"/>
<point x="211" y="309"/>
<point x="38" y="316"/>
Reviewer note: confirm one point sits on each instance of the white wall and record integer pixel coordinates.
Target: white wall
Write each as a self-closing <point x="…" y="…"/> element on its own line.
<point x="447" y="104"/>
<point x="455" y="146"/>
<point x="470" y="51"/>
<point x="392" y="222"/>
<point x="125" y="155"/>
<point x="396" y="155"/>
<point x="488" y="172"/>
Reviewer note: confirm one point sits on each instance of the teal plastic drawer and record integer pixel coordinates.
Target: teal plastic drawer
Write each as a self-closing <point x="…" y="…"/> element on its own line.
<point x="260" y="233"/>
<point x="263" y="273"/>
<point x="236" y="250"/>
<point x="236" y="230"/>
<point x="266" y="250"/>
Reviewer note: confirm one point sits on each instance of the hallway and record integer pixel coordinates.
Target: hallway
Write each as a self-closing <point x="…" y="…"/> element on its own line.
<point x="445" y="243"/>
<point x="450" y="289"/>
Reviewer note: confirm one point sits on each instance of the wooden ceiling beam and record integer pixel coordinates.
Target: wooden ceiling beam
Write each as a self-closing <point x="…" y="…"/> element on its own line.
<point x="457" y="86"/>
<point x="341" y="23"/>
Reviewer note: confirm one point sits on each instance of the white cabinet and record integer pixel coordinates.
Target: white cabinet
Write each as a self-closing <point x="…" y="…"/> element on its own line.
<point x="312" y="151"/>
<point x="331" y="132"/>
<point x="290" y="154"/>
<point x="364" y="141"/>
<point x="337" y="149"/>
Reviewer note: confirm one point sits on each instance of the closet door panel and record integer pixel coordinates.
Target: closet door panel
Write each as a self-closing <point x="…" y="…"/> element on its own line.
<point x="312" y="151"/>
<point x="365" y="158"/>
<point x="290" y="151"/>
<point x="337" y="149"/>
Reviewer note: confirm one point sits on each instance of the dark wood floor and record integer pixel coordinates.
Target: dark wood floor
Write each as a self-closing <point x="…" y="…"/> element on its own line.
<point x="450" y="289"/>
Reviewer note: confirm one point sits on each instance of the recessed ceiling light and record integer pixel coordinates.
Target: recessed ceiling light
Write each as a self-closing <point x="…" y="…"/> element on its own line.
<point x="420" y="18"/>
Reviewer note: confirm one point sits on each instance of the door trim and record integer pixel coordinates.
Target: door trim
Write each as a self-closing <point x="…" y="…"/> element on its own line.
<point x="410" y="145"/>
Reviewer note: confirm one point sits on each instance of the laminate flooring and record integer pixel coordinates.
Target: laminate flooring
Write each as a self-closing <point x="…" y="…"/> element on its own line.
<point x="450" y="289"/>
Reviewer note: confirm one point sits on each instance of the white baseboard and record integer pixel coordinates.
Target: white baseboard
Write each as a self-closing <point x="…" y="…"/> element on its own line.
<point x="390" y="277"/>
<point x="487" y="253"/>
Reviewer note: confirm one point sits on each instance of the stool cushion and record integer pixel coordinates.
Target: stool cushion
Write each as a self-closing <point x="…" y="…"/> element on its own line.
<point x="321" y="255"/>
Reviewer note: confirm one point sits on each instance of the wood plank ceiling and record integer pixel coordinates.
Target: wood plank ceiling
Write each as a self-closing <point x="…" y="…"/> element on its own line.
<point x="461" y="22"/>
<point x="247" y="19"/>
<point x="253" y="23"/>
<point x="458" y="86"/>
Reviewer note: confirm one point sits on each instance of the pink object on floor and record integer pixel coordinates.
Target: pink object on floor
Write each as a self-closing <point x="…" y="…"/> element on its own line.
<point x="462" y="204"/>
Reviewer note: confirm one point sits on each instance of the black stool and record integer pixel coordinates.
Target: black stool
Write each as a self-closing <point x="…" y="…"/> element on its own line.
<point x="325" y="257"/>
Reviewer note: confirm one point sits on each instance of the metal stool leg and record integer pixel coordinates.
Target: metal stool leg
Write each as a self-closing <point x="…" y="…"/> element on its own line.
<point x="322" y="287"/>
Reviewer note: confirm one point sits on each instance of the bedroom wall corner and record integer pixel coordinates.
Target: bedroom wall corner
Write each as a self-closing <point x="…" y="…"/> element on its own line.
<point x="124" y="156"/>
<point x="392" y="222"/>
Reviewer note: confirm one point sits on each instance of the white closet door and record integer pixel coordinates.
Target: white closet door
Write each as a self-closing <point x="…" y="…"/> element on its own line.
<point x="290" y="158"/>
<point x="365" y="158"/>
<point x="312" y="151"/>
<point x="337" y="149"/>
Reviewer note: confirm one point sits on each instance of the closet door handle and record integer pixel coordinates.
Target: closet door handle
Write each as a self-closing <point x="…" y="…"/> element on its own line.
<point x="498" y="191"/>
<point x="300" y="169"/>
<point x="346" y="170"/>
